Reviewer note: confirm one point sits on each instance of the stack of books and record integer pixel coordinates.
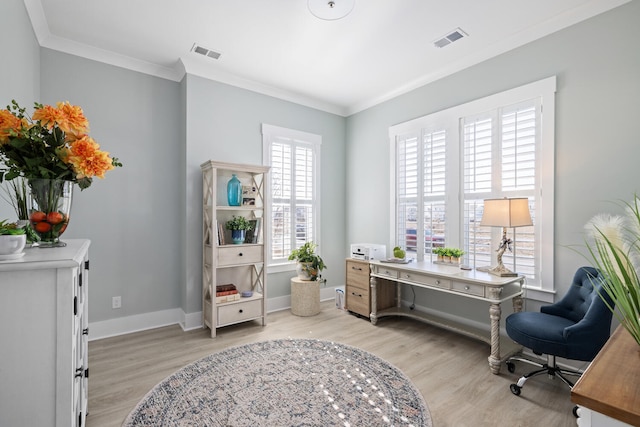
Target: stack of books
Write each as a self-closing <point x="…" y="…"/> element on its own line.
<point x="226" y="293"/>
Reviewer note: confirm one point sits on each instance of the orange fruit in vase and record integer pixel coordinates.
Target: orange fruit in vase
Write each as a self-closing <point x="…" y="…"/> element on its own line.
<point x="55" y="218"/>
<point x="42" y="227"/>
<point x="37" y="216"/>
<point x="62" y="228"/>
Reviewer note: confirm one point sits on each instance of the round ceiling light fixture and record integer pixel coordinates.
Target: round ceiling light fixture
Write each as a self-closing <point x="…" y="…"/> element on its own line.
<point x="330" y="10"/>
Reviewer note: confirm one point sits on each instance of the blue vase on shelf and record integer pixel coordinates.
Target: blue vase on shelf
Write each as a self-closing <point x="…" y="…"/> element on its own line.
<point x="234" y="191"/>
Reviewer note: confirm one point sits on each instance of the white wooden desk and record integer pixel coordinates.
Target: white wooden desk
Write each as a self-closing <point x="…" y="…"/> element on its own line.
<point x="452" y="280"/>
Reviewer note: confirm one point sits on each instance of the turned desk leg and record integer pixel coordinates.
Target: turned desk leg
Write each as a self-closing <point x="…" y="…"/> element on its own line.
<point x="495" y="312"/>
<point x="374" y="300"/>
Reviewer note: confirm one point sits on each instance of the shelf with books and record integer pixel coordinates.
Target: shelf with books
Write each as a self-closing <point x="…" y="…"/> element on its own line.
<point x="240" y="264"/>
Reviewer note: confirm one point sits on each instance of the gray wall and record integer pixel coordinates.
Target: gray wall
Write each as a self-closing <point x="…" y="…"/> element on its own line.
<point x="597" y="64"/>
<point x="20" y="70"/>
<point x="224" y="124"/>
<point x="132" y="216"/>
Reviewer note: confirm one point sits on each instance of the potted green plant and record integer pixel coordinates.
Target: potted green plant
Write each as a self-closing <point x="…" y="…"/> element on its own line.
<point x="440" y="253"/>
<point x="456" y="254"/>
<point x="238" y="225"/>
<point x="12" y="240"/>
<point x="446" y="254"/>
<point x="310" y="264"/>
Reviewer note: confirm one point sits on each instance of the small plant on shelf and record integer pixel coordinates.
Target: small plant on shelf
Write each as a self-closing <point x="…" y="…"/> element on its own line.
<point x="310" y="264"/>
<point x="456" y="253"/>
<point x="239" y="223"/>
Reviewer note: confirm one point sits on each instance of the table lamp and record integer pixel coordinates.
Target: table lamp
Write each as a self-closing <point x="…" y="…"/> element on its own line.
<point x="505" y="213"/>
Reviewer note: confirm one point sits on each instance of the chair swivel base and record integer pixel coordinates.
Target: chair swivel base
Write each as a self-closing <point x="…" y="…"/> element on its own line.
<point x="550" y="368"/>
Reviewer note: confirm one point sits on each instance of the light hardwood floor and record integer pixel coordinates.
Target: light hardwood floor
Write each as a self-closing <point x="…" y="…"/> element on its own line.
<point x="450" y="370"/>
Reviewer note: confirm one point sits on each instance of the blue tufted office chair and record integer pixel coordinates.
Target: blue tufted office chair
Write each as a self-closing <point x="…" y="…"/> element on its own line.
<point x="576" y="327"/>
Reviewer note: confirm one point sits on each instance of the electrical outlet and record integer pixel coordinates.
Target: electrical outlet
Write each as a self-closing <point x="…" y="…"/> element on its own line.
<point x="116" y="302"/>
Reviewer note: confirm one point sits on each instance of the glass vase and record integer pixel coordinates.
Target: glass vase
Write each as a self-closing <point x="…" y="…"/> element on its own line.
<point x="49" y="205"/>
<point x="234" y="191"/>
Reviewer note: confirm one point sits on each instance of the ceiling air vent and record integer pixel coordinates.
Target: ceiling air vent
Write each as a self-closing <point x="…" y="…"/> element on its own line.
<point x="205" y="52"/>
<point x="453" y="36"/>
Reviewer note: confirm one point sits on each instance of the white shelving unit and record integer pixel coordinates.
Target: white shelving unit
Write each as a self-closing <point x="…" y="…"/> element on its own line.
<point x="223" y="262"/>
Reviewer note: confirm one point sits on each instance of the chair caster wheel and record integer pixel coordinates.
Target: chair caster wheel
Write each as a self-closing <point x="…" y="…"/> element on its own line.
<point x="575" y="411"/>
<point x="511" y="367"/>
<point x="515" y="389"/>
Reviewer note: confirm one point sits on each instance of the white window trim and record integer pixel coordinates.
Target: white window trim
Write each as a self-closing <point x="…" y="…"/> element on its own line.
<point x="269" y="133"/>
<point x="450" y="118"/>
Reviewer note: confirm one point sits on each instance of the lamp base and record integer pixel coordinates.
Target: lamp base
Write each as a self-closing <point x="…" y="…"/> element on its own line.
<point x="502" y="271"/>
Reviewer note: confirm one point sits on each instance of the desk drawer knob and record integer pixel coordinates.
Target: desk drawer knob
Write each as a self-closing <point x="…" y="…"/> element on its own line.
<point x="466" y="288"/>
<point x="437" y="282"/>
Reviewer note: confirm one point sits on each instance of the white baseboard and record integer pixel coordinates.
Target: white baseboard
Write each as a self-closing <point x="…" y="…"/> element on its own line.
<point x="187" y="321"/>
<point x="191" y="320"/>
<point x="135" y="323"/>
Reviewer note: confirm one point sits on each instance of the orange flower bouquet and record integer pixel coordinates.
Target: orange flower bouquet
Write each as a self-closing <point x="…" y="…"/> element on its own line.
<point x="52" y="151"/>
<point x="52" y="144"/>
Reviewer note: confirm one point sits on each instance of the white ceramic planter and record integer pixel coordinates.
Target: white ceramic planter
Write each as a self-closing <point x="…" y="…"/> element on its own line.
<point x="12" y="245"/>
<point x="304" y="270"/>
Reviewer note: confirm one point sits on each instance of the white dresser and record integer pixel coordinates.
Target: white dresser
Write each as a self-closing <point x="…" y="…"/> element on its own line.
<point x="43" y="336"/>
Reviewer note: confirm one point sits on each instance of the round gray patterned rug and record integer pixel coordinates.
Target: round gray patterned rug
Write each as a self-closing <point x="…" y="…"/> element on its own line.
<point x="289" y="382"/>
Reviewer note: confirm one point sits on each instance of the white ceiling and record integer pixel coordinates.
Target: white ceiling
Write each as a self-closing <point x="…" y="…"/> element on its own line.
<point x="277" y="47"/>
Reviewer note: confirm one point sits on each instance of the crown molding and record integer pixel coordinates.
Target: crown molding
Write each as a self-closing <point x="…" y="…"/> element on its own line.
<point x="198" y="67"/>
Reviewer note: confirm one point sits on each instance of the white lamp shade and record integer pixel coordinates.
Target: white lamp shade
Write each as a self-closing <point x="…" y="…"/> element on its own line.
<point x="506" y="213"/>
<point x="330" y="10"/>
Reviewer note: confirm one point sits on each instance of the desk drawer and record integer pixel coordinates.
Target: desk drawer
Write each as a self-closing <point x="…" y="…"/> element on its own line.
<point x="234" y="313"/>
<point x="239" y="254"/>
<point x="358" y="275"/>
<point x="468" y="288"/>
<point x="387" y="272"/>
<point x="423" y="279"/>
<point x="358" y="301"/>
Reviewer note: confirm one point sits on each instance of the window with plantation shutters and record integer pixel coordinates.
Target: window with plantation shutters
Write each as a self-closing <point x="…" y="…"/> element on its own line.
<point x="294" y="158"/>
<point x="421" y="179"/>
<point x="447" y="163"/>
<point x="499" y="160"/>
